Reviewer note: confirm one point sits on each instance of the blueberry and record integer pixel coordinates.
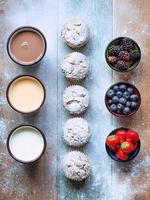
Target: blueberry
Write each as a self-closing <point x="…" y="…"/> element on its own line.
<point x="128" y="104"/>
<point x="122" y="100"/>
<point x="126" y="111"/>
<point x="116" y="88"/>
<point x="123" y="87"/>
<point x="126" y="95"/>
<point x="110" y="93"/>
<point x="134" y="105"/>
<point x="115" y="100"/>
<point x="119" y="94"/>
<point x="109" y="101"/>
<point x="134" y="97"/>
<point x="113" y="108"/>
<point x="120" y="106"/>
<point x="130" y="90"/>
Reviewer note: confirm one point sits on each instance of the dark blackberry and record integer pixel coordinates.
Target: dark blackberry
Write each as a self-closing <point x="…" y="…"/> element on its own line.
<point x="127" y="44"/>
<point x="124" y="55"/>
<point x="113" y="50"/>
<point x="112" y="59"/>
<point x="135" y="56"/>
<point x="122" y="65"/>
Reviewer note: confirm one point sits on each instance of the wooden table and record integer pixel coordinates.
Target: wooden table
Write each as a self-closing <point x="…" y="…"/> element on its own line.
<point x="109" y="180"/>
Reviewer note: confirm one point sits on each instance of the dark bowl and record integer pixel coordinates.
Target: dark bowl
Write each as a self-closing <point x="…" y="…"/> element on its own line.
<point x="21" y="161"/>
<point x="117" y="41"/>
<point x="131" y="155"/>
<point x="20" y="29"/>
<point x="7" y="97"/>
<point x="136" y="92"/>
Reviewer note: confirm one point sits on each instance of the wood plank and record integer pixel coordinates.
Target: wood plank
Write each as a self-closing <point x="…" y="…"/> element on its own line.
<point x="131" y="18"/>
<point x="36" y="182"/>
<point x="98" y="15"/>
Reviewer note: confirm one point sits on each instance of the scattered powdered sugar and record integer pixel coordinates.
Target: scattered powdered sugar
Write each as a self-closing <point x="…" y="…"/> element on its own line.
<point x="3" y="128"/>
<point x="14" y="184"/>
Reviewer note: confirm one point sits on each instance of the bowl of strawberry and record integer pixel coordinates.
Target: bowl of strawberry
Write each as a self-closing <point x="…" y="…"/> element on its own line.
<point x="123" y="54"/>
<point x="122" y="99"/>
<point x="123" y="144"/>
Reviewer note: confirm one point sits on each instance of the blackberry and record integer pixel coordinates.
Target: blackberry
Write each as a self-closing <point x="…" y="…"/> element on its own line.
<point x="122" y="65"/>
<point x="113" y="50"/>
<point x="135" y="56"/>
<point x="124" y="55"/>
<point x="112" y="59"/>
<point x="127" y="44"/>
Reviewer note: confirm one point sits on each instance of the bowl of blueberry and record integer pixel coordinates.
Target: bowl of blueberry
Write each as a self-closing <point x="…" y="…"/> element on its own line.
<point x="123" y="144"/>
<point x="123" y="54"/>
<point x="122" y="99"/>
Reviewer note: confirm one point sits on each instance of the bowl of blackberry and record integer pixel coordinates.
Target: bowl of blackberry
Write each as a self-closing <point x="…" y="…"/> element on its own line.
<point x="123" y="144"/>
<point x="123" y="54"/>
<point x="122" y="99"/>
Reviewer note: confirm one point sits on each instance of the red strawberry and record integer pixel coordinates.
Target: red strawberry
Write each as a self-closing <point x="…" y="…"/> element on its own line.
<point x="115" y="148"/>
<point x="132" y="136"/>
<point x="127" y="147"/>
<point x="112" y="141"/>
<point x="122" y="135"/>
<point x="121" y="155"/>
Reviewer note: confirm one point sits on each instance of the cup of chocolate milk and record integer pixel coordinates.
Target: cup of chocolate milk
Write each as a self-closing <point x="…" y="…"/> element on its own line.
<point x="26" y="46"/>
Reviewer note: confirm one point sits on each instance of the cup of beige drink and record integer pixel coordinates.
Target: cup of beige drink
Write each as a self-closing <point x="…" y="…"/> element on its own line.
<point x="26" y="94"/>
<point x="26" y="46"/>
<point x="26" y="144"/>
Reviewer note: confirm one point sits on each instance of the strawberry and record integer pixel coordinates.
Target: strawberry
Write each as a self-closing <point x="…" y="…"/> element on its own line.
<point x="112" y="141"/>
<point x="127" y="147"/>
<point x="114" y="148"/>
<point x="122" y="135"/>
<point x="134" y="146"/>
<point x="121" y="155"/>
<point x="132" y="136"/>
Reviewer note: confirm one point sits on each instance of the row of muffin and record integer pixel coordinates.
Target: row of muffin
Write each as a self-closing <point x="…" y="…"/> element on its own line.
<point x="76" y="99"/>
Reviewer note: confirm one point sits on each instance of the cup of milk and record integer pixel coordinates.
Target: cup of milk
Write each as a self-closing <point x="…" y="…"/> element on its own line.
<point x="26" y="144"/>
